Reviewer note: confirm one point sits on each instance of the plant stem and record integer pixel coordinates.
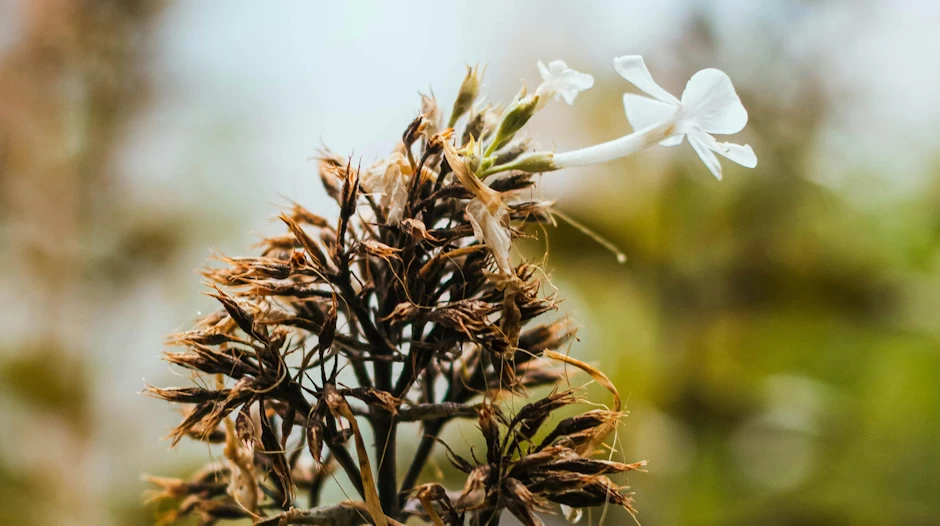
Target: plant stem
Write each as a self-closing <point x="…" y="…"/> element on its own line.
<point x="386" y="429"/>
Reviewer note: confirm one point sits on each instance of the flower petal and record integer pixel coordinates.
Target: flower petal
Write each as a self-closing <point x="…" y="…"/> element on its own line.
<point x="675" y="140"/>
<point x="712" y="104"/>
<point x="557" y="67"/>
<point x="561" y="82"/>
<point x="644" y="111"/>
<point x="742" y="155"/>
<point x="544" y="71"/>
<point x="490" y="228"/>
<point x="575" y="82"/>
<point x="700" y="141"/>
<point x="578" y="81"/>
<point x="632" y="68"/>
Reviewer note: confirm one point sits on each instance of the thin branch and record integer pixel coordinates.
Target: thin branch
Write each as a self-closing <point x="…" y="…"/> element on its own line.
<point x="344" y="514"/>
<point x="420" y="412"/>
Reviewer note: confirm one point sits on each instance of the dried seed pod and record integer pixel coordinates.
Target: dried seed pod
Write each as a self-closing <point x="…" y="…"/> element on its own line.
<point x="585" y="422"/>
<point x="532" y="415"/>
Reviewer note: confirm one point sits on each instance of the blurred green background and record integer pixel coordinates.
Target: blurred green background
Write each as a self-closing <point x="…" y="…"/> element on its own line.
<point x="774" y="334"/>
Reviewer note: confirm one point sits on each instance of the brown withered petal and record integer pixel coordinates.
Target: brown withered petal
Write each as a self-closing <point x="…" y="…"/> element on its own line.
<point x="285" y="289"/>
<point x="431" y="112"/>
<point x="435" y="144"/>
<point x="466" y="316"/>
<point x="530" y="465"/>
<point x="457" y="257"/>
<point x="537" y="374"/>
<point x="302" y="215"/>
<point x="585" y="422"/>
<point x="348" y="202"/>
<point x="427" y="494"/>
<point x="222" y="409"/>
<point x="403" y="312"/>
<point x="379" y="249"/>
<point x="330" y="166"/>
<point x="416" y="229"/>
<point x="206" y="337"/>
<point x="531" y="416"/>
<point x="245" y="428"/>
<point x="595" y="491"/>
<point x="587" y="466"/>
<point x="315" y="440"/>
<point x="474" y="488"/>
<point x="287" y="425"/>
<point x="278" y="244"/>
<point x="192" y="418"/>
<point x="415" y="130"/>
<point x="546" y="337"/>
<point x="458" y="462"/>
<point x="211" y="362"/>
<point x="316" y="255"/>
<point x="241" y="317"/>
<point x="326" y="337"/>
<point x="488" y="426"/>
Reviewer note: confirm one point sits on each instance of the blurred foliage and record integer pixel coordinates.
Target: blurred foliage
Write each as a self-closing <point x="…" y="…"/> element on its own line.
<point x="769" y="327"/>
<point x="47" y="379"/>
<point x="773" y="337"/>
<point x="770" y="335"/>
<point x="67" y="88"/>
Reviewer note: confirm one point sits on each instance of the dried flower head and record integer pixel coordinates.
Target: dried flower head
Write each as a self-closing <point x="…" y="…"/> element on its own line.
<point x="413" y="295"/>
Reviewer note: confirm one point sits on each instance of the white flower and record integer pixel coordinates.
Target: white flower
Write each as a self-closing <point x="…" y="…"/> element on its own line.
<point x="561" y="82"/>
<point x="709" y="105"/>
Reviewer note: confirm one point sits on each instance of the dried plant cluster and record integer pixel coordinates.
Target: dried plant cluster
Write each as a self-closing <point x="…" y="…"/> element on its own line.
<point x="405" y="308"/>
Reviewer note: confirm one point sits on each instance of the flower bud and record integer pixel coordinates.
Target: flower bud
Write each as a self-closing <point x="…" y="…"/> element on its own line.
<point x="535" y="162"/>
<point x="514" y="118"/>
<point x="469" y="90"/>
